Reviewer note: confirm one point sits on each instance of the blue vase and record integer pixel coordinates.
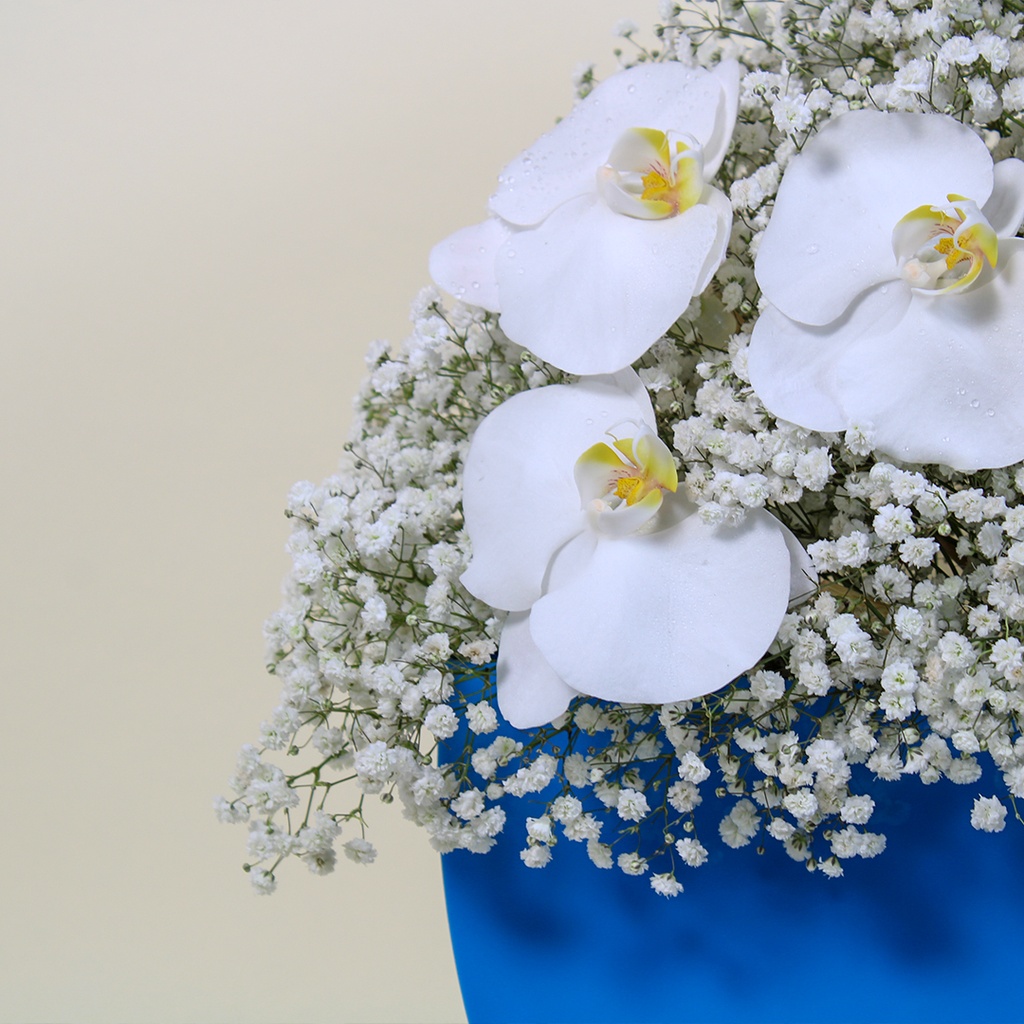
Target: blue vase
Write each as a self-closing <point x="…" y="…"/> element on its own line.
<point x="930" y="931"/>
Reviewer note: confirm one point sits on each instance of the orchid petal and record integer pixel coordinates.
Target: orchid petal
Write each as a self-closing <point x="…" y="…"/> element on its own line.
<point x="563" y="163"/>
<point x="593" y="468"/>
<point x="625" y="519"/>
<point x="590" y="291"/>
<point x="463" y="264"/>
<point x="569" y="561"/>
<point x="829" y="238"/>
<point x="792" y="367"/>
<point x="728" y="76"/>
<point x="530" y="692"/>
<point x="667" y="616"/>
<point x="628" y="380"/>
<point x="1005" y="207"/>
<point x="519" y="497"/>
<point x="652" y="453"/>
<point x="945" y="384"/>
<point x="719" y="203"/>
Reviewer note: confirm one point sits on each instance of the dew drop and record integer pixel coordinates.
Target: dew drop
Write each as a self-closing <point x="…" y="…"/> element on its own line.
<point x="975" y="403"/>
<point x="589" y="422"/>
<point x="511" y="254"/>
<point x="961" y="391"/>
<point x="476" y="284"/>
<point x="945" y="439"/>
<point x="483" y="249"/>
<point x="812" y="250"/>
<point x="990" y="412"/>
<point x="631" y="88"/>
<point x="884" y="289"/>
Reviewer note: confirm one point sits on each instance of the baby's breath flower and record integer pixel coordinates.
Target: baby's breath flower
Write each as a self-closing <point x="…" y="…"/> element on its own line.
<point x="988" y="814"/>
<point x="904" y="646"/>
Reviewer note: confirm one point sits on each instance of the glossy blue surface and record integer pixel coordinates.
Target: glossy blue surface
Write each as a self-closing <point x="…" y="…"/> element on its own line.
<point x="930" y="931"/>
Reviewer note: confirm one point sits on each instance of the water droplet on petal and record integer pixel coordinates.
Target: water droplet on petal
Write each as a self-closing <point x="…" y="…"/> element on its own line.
<point x="631" y="88"/>
<point x="476" y="284"/>
<point x="511" y="254"/>
<point x="812" y="250"/>
<point x="884" y="289"/>
<point x="975" y="403"/>
<point x="990" y="412"/>
<point x="961" y="391"/>
<point x="589" y="422"/>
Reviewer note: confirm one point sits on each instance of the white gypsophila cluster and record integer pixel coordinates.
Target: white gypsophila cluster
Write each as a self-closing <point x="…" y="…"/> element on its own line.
<point x="907" y="660"/>
<point x="374" y="617"/>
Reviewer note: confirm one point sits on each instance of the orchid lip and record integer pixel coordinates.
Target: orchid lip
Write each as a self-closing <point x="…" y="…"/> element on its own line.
<point x="622" y="484"/>
<point x="943" y="249"/>
<point x="652" y="175"/>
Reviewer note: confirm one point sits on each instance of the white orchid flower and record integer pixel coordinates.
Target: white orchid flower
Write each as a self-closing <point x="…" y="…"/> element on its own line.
<point x="615" y="587"/>
<point x="896" y="291"/>
<point x="603" y="231"/>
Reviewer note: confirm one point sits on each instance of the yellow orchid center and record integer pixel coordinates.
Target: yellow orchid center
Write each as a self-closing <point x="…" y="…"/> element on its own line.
<point x="944" y="249"/>
<point x="626" y="480"/>
<point x="652" y="175"/>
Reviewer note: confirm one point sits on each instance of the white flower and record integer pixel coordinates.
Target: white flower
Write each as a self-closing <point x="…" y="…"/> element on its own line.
<point x="603" y="230"/>
<point x="615" y="587"/>
<point x="362" y="851"/>
<point x="666" y="885"/>
<point x="535" y="856"/>
<point x="442" y="721"/>
<point x="740" y="825"/>
<point x="692" y="768"/>
<point x="469" y="805"/>
<point x="632" y="805"/>
<point x="692" y="852"/>
<point x="481" y="718"/>
<point x="893" y="281"/>
<point x="632" y="863"/>
<point x="988" y="814"/>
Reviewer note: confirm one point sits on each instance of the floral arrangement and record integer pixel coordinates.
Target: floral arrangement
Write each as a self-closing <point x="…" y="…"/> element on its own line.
<point x="707" y="478"/>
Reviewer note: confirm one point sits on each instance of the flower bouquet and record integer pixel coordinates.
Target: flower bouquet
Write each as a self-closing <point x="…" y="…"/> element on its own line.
<point x="694" y="518"/>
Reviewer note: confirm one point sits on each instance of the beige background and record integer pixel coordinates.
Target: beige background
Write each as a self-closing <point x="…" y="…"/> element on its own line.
<point x="207" y="210"/>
